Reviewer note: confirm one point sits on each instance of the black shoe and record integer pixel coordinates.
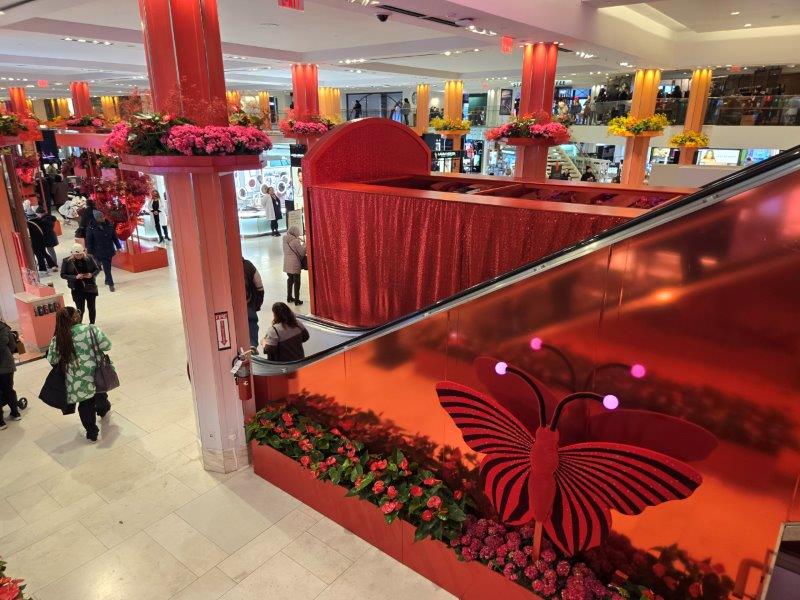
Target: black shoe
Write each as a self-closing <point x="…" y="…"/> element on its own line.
<point x="91" y="440"/>
<point x="289" y="300"/>
<point x="298" y="302"/>
<point x="111" y="287"/>
<point x="3" y="425"/>
<point x="15" y="417"/>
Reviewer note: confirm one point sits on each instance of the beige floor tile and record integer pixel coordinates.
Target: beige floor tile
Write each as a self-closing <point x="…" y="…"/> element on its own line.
<point x="210" y="586"/>
<point x="338" y="538"/>
<point x="55" y="556"/>
<point x="316" y="556"/>
<point x="33" y="503"/>
<point x="269" y="500"/>
<point x="152" y="417"/>
<point x="280" y="578"/>
<point x="137" y="568"/>
<point x="10" y="519"/>
<point x="186" y="544"/>
<point x="253" y="554"/>
<point x="145" y="505"/>
<point x="166" y="440"/>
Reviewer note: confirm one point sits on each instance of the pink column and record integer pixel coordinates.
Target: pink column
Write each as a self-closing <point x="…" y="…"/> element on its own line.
<point x="81" y="101"/>
<point x="305" y="87"/>
<point x="182" y="44"/>
<point x="538" y="85"/>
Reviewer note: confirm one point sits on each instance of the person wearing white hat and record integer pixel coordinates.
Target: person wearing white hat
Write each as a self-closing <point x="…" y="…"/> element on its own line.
<point x="80" y="271"/>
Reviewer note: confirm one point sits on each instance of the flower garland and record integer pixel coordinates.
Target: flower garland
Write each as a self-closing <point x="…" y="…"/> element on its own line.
<point x="539" y="126"/>
<point x="629" y="126"/>
<point x="440" y="124"/>
<point x="695" y="139"/>
<point x="10" y="589"/>
<point x="309" y="125"/>
<point x="157" y="134"/>
<point x="95" y="121"/>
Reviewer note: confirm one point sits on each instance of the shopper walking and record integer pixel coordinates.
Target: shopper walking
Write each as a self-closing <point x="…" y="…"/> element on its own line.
<point x="284" y="341"/>
<point x="588" y="174"/>
<point x="155" y="211"/>
<point x="102" y="244"/>
<point x="73" y="351"/>
<point x="80" y="271"/>
<point x="254" y="294"/>
<point x="8" y="347"/>
<point x="48" y="224"/>
<point x="85" y="219"/>
<point x="276" y="210"/>
<point x="406" y="110"/>
<point x="357" y="110"/>
<point x="37" y="236"/>
<point x="294" y="253"/>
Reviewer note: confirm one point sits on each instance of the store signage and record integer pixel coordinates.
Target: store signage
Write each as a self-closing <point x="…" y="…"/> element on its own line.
<point x="439" y="154"/>
<point x="506" y="44"/>
<point x="293" y="4"/>
<point x="43" y="83"/>
<point x="560" y="82"/>
<point x="294" y="218"/>
<point x="223" y="331"/>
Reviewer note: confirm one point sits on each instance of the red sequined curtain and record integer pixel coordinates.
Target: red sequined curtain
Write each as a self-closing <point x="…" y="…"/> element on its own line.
<point x="378" y="257"/>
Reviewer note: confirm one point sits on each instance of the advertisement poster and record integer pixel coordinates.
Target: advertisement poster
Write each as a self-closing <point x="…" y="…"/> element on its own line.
<point x="506" y="102"/>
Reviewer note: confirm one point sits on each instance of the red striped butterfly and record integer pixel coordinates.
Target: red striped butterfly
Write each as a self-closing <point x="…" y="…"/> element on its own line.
<point x="568" y="489"/>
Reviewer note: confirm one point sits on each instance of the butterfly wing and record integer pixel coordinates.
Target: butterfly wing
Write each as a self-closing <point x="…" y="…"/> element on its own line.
<point x="593" y="477"/>
<point x="492" y="430"/>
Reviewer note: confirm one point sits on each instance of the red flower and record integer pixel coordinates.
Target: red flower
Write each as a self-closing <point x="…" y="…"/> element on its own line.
<point x="434" y="502"/>
<point x="378" y="465"/>
<point x="457" y="495"/>
<point x="340" y="450"/>
<point x="330" y="461"/>
<point x="388" y="507"/>
<point x="305" y="461"/>
<point x="287" y="418"/>
<point x="358" y="481"/>
<point x="306" y="445"/>
<point x="9" y="589"/>
<point x="323" y="468"/>
<point x="403" y="464"/>
<point x="335" y="431"/>
<point x="430" y="481"/>
<point x="427" y="516"/>
<point x="670" y="583"/>
<point x="391" y="491"/>
<point x="378" y="487"/>
<point x="659" y="570"/>
<point x="416" y="491"/>
<point x="695" y="590"/>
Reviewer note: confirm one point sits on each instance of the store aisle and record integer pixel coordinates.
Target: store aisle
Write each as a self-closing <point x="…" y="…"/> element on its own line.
<point x="136" y="516"/>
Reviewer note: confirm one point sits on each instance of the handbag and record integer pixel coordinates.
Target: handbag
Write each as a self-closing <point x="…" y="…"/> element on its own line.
<point x="105" y="375"/>
<point x="303" y="259"/>
<point x="274" y="354"/>
<point x="54" y="389"/>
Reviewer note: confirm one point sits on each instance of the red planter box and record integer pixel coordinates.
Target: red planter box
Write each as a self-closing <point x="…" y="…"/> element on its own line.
<point x="159" y="165"/>
<point x="526" y="141"/>
<point x="9" y="140"/>
<point x="431" y="559"/>
<point x="137" y="257"/>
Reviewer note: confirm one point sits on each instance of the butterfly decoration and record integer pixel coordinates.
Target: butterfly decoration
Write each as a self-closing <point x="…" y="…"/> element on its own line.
<point x="568" y="486"/>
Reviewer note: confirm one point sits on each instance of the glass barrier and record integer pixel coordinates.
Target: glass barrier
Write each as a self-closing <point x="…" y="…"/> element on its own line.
<point x="705" y="308"/>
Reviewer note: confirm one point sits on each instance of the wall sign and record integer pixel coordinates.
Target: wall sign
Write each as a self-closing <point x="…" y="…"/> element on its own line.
<point x="223" y="331"/>
<point x="437" y="154"/>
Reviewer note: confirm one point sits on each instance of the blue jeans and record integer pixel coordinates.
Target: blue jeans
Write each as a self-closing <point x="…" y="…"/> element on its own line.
<point x="252" y="321"/>
<point x="106" y="264"/>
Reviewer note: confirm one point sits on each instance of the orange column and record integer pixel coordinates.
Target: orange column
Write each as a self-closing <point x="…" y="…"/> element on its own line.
<point x="330" y="101"/>
<point x="454" y="109"/>
<point x="539" y="63"/>
<point x="81" y="102"/>
<point x="19" y="100"/>
<point x="184" y="60"/>
<point x="699" y="90"/>
<point x="263" y="103"/>
<point x="423" y="108"/>
<point x="643" y="104"/>
<point x="234" y="99"/>
<point x="305" y="88"/>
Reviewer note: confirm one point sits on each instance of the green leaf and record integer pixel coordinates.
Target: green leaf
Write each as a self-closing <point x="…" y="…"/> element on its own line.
<point x="456" y="514"/>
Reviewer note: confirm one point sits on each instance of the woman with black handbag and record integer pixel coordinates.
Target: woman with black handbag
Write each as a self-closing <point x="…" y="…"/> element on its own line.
<point x="294" y="261"/>
<point x="77" y="350"/>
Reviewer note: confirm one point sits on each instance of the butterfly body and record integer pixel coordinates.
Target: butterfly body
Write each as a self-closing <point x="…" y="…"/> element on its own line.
<point x="542" y="482"/>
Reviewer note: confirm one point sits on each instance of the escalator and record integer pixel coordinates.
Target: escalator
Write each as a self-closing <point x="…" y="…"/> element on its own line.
<point x="701" y="294"/>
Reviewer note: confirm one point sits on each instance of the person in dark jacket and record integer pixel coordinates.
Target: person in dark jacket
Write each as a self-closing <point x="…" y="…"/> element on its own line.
<point x="254" y="294"/>
<point x="155" y="210"/>
<point x="48" y="222"/>
<point x="8" y="346"/>
<point x="80" y="271"/>
<point x="588" y="175"/>
<point x="276" y="211"/>
<point x="284" y="341"/>
<point x="102" y="243"/>
<point x="85" y="219"/>
<point x="60" y="190"/>
<point x="36" y="232"/>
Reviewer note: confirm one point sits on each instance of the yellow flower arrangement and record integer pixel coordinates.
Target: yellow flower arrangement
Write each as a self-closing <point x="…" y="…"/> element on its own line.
<point x="450" y="124"/>
<point x="694" y="139"/>
<point x="630" y="126"/>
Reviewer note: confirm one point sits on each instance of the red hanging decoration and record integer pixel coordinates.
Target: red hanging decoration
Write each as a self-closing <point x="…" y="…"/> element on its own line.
<point x="293" y="4"/>
<point x="43" y="83"/>
<point x="506" y="44"/>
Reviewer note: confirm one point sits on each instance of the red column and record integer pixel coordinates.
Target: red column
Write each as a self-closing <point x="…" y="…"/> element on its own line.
<point x="81" y="101"/>
<point x="182" y="44"/>
<point x="305" y="87"/>
<point x="19" y="100"/>
<point x="538" y="85"/>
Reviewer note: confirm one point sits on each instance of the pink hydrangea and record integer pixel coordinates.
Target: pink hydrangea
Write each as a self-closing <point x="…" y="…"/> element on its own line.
<point x="117" y="140"/>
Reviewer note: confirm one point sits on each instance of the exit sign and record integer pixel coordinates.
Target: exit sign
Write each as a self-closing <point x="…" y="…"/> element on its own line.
<point x="293" y="4"/>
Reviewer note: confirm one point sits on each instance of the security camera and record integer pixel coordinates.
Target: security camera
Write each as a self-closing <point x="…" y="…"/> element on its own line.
<point x="382" y="17"/>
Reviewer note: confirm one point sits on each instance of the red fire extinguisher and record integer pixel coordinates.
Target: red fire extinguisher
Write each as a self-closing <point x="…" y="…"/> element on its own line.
<point x="241" y="375"/>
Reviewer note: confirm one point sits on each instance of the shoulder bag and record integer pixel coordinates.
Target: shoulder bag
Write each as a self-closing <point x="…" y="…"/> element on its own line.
<point x="54" y="390"/>
<point x="105" y="375"/>
<point x="275" y="353"/>
<point x="303" y="259"/>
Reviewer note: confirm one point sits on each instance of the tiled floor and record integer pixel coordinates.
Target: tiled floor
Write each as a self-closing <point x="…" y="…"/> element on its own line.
<point x="136" y="516"/>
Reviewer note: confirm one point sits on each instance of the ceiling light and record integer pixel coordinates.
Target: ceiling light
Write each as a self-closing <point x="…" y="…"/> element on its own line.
<point x="447" y="53"/>
<point x="736" y="12"/>
<point x="81" y="40"/>
<point x="477" y="50"/>
<point x="67" y="39"/>
<point x="748" y="24"/>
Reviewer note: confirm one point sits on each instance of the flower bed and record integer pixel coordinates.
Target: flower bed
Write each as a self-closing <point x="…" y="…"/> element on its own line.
<point x="86" y="123"/>
<point x="303" y="455"/>
<point x="629" y="126"/>
<point x="306" y="126"/>
<point x="692" y="139"/>
<point x="538" y="129"/>
<point x="10" y="589"/>
<point x="455" y="125"/>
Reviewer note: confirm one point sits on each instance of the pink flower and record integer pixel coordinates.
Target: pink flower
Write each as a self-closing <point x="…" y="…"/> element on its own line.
<point x="391" y="491"/>
<point x="306" y="445"/>
<point x="305" y="461"/>
<point x="434" y="502"/>
<point x="548" y="556"/>
<point x="510" y="572"/>
<point x="388" y="507"/>
<point x="287" y="418"/>
<point x="378" y="487"/>
<point x="330" y="461"/>
<point x="562" y="568"/>
<point x="457" y="495"/>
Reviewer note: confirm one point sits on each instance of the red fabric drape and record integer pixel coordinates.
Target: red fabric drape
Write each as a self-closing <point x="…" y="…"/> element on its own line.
<point x="377" y="257"/>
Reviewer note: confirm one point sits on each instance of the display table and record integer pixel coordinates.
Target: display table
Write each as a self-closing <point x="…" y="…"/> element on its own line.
<point x="253" y="224"/>
<point x="137" y="257"/>
<point x="37" y="316"/>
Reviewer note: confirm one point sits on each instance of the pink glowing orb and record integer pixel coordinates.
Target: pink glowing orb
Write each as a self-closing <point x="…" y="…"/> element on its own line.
<point x="610" y="401"/>
<point x="500" y="368"/>
<point x="638" y="371"/>
<point x="536" y="343"/>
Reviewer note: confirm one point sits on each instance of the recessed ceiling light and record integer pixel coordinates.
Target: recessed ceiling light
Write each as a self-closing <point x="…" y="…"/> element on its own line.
<point x="81" y="40"/>
<point x="477" y="50"/>
<point x="748" y="24"/>
<point x="736" y="12"/>
<point x="447" y="53"/>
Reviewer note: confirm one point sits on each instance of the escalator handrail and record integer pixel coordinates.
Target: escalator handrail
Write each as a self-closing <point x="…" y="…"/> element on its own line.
<point x="707" y="195"/>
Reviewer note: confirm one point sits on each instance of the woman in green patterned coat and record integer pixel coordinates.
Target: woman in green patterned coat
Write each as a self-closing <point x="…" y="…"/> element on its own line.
<point x="71" y="349"/>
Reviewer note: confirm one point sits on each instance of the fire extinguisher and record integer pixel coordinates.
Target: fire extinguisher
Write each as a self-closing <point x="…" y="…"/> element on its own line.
<point x="241" y="375"/>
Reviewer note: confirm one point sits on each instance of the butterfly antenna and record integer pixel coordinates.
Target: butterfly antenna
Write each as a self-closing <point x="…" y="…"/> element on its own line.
<point x="531" y="384"/>
<point x="567" y="399"/>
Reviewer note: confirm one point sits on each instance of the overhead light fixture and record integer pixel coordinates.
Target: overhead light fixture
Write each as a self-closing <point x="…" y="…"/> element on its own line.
<point x="477" y="50"/>
<point x="736" y="12"/>
<point x="447" y="53"/>
<point x="748" y="24"/>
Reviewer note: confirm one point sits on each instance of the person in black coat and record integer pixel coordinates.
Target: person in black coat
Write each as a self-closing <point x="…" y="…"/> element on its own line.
<point x="155" y="210"/>
<point x="86" y="219"/>
<point x="48" y="223"/>
<point x="36" y="233"/>
<point x="102" y="243"/>
<point x="276" y="211"/>
<point x="80" y="271"/>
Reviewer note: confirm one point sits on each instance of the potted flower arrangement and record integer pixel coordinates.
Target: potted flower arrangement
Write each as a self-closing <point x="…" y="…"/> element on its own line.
<point x="10" y="129"/>
<point x="239" y="117"/>
<point x="10" y="589"/>
<point x="109" y="164"/>
<point x="692" y="139"/>
<point x="538" y="129"/>
<point x="26" y="167"/>
<point x="86" y="123"/>
<point x="629" y="126"/>
<point x="305" y="127"/>
<point x="451" y="127"/>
